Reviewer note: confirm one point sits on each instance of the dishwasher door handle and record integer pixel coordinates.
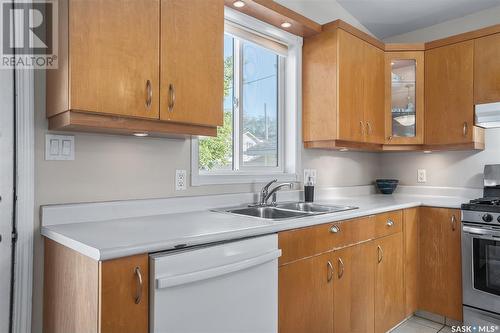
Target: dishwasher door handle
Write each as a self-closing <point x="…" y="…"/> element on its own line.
<point x="177" y="280"/>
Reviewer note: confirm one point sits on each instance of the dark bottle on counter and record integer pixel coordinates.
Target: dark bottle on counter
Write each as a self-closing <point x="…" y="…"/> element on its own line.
<point x="309" y="191"/>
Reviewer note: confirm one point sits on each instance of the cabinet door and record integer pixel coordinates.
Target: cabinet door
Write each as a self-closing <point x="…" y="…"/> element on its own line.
<point x="440" y="283"/>
<point x="404" y="97"/>
<point x="389" y="289"/>
<point x="114" y="66"/>
<point x="449" y="110"/>
<point x="487" y="69"/>
<point x="192" y="42"/>
<point x="351" y="73"/>
<point x="410" y="232"/>
<point x="124" y="286"/>
<point x="373" y="94"/>
<point x="306" y="296"/>
<point x="354" y="289"/>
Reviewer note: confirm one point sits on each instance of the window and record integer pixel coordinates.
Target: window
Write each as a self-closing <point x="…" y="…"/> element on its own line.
<point x="259" y="108"/>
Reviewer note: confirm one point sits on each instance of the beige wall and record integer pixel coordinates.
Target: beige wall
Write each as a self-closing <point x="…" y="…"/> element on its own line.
<point x="455" y="169"/>
<point x="110" y="167"/>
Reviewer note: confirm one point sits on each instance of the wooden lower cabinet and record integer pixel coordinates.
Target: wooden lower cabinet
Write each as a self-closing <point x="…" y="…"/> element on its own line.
<point x="389" y="287"/>
<point x="124" y="304"/>
<point x="440" y="268"/>
<point x="354" y="286"/>
<point x="85" y="295"/>
<point x="410" y="240"/>
<point x="306" y="295"/>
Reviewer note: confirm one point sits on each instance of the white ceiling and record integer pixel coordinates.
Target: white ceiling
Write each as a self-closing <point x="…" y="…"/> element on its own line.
<point x="385" y="18"/>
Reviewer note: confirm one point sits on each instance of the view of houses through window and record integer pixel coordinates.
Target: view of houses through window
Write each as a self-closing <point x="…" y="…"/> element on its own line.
<point x="249" y="137"/>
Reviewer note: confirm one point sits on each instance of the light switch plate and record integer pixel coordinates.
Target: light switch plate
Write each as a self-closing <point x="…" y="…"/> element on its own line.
<point x="180" y="180"/>
<point x="421" y="176"/>
<point x="59" y="147"/>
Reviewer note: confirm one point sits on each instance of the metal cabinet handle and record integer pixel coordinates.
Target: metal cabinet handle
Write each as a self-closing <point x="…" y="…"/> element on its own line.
<point x="465" y="129"/>
<point x="390" y="223"/>
<point x="362" y="128"/>
<point x="380" y="253"/>
<point x="171" y="97"/>
<point x="368" y="128"/>
<point x="335" y="229"/>
<point x="453" y="223"/>
<point x="329" y="275"/>
<point x="341" y="268"/>
<point x="149" y="94"/>
<point x="138" y="275"/>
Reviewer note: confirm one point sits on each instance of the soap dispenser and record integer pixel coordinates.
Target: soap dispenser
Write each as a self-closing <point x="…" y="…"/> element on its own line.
<point x="309" y="190"/>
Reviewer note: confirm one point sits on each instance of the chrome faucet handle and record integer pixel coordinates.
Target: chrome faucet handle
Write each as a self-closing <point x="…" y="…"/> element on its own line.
<point x="265" y="190"/>
<point x="266" y="187"/>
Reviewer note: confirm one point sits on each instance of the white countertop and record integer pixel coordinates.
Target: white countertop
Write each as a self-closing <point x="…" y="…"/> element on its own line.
<point x="122" y="237"/>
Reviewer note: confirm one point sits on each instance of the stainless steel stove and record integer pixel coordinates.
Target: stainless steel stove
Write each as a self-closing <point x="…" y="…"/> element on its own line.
<point x="481" y="253"/>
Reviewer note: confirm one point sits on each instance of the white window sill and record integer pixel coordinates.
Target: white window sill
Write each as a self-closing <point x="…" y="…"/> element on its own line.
<point x="240" y="178"/>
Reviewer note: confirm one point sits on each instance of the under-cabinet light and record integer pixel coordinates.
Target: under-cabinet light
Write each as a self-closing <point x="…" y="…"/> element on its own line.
<point x="141" y="135"/>
<point x="238" y="4"/>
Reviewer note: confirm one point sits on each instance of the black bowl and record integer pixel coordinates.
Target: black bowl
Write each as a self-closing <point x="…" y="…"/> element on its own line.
<point x="387" y="186"/>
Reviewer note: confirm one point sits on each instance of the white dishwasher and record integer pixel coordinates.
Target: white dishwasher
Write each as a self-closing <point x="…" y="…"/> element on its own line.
<point x="224" y="288"/>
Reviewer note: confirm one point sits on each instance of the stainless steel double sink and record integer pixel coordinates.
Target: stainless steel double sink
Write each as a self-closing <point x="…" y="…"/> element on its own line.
<point x="287" y="210"/>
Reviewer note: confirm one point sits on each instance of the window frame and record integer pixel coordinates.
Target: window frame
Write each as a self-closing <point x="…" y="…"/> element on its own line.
<point x="289" y="91"/>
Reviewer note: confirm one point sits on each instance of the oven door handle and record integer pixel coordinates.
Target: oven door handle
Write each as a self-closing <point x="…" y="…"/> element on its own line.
<point x="486" y="233"/>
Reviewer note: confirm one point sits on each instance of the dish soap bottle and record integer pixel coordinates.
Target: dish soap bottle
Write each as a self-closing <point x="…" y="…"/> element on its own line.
<point x="309" y="190"/>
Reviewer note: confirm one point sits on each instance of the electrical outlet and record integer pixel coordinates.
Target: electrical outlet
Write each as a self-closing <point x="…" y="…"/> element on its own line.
<point x="421" y="175"/>
<point x="310" y="173"/>
<point x="180" y="180"/>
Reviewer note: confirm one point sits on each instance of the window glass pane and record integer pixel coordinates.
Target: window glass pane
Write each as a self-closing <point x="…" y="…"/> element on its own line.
<point x="260" y="107"/>
<point x="217" y="153"/>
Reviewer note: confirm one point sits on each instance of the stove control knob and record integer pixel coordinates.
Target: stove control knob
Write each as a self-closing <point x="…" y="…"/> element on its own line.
<point x="498" y="219"/>
<point x="487" y="218"/>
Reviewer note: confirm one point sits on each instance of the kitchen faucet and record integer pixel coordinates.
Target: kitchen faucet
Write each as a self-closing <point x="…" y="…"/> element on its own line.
<point x="265" y="194"/>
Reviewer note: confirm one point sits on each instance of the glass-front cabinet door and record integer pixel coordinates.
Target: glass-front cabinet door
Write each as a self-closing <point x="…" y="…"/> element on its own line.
<point x="404" y="102"/>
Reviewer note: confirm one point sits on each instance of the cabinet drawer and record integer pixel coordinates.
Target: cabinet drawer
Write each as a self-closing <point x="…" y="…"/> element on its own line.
<point x="352" y="231"/>
<point x="300" y="243"/>
<point x="388" y="223"/>
<point x="306" y="242"/>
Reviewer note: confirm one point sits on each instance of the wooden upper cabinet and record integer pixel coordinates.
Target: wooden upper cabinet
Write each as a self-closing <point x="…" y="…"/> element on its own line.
<point x="192" y="44"/>
<point x="351" y="90"/>
<point x="319" y="87"/>
<point x="354" y="287"/>
<point x="306" y="295"/>
<point x="113" y="74"/>
<point x="440" y="268"/>
<point x="114" y="57"/>
<point x="343" y="100"/>
<point x="361" y="96"/>
<point x="487" y="69"/>
<point x="389" y="287"/>
<point x="449" y="87"/>
<point x="373" y="94"/>
<point x="404" y="98"/>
